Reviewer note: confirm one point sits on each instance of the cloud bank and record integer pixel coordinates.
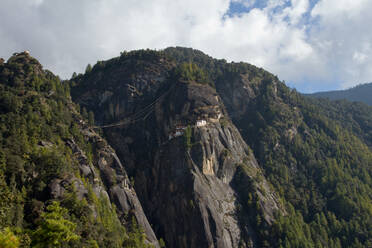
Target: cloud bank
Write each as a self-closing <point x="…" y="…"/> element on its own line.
<point x="312" y="45"/>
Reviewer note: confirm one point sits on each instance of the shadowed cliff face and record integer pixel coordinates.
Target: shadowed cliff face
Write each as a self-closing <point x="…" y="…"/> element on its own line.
<point x="186" y="183"/>
<point x="120" y="87"/>
<point x="189" y="163"/>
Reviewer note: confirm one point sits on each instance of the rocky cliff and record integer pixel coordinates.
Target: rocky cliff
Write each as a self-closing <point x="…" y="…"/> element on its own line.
<point x="187" y="159"/>
<point x="107" y="177"/>
<point x="184" y="148"/>
<point x="225" y="155"/>
<point x="60" y="158"/>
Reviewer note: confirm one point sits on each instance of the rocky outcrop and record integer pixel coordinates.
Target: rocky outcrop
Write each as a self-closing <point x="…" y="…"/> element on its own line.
<point x="23" y="70"/>
<point x="108" y="178"/>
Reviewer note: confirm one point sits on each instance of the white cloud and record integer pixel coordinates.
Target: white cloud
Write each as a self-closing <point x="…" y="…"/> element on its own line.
<point x="329" y="9"/>
<point x="297" y="9"/>
<point x="359" y="57"/>
<point x="327" y="46"/>
<point x="342" y="38"/>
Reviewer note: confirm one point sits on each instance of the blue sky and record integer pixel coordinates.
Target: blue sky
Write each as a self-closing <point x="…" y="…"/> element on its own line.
<point x="241" y="7"/>
<point x="311" y="45"/>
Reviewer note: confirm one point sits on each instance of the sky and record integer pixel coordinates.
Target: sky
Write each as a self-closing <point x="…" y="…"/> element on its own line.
<point x="313" y="45"/>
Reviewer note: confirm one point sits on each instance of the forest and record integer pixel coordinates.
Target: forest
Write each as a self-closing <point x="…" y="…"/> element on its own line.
<point x="315" y="153"/>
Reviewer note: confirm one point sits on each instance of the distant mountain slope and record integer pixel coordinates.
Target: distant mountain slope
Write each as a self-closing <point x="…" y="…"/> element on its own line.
<point x="360" y="93"/>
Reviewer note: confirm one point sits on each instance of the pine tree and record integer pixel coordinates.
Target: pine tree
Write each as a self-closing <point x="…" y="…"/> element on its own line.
<point x="54" y="230"/>
<point x="88" y="68"/>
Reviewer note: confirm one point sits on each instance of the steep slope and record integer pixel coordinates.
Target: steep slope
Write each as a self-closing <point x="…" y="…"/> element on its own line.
<point x="360" y="93"/>
<point x="61" y="183"/>
<point x="319" y="165"/>
<point x="312" y="155"/>
<point x="354" y="116"/>
<point x="198" y="181"/>
<point x="212" y="154"/>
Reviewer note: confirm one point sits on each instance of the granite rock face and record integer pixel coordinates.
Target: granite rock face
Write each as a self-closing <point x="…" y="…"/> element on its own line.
<point x="187" y="159"/>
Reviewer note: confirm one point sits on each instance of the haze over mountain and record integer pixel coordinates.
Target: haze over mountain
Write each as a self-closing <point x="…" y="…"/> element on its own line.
<point x="174" y="148"/>
<point x="360" y="93"/>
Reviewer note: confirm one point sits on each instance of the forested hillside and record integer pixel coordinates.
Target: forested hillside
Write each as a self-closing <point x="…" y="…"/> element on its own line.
<point x="178" y="146"/>
<point x="51" y="192"/>
<point x="360" y="93"/>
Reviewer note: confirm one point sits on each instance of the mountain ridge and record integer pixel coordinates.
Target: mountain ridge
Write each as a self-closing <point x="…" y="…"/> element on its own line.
<point x="203" y="153"/>
<point x="359" y="93"/>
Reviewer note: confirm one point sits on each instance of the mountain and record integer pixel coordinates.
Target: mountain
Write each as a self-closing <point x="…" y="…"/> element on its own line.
<point x="187" y="158"/>
<point x="62" y="184"/>
<point x="360" y="93"/>
<point x="177" y="146"/>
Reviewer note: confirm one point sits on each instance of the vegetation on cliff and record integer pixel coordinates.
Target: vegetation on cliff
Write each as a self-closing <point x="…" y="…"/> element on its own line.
<point x="315" y="155"/>
<point x="37" y="118"/>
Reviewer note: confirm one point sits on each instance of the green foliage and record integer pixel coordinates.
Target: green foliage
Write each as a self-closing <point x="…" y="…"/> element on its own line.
<point x="355" y="117"/>
<point x="88" y="68"/>
<point x="110" y="221"/>
<point x="161" y="243"/>
<point x="191" y="72"/>
<point x="6" y="196"/>
<point x="54" y="230"/>
<point x="136" y="237"/>
<point x="51" y="164"/>
<point x="37" y="123"/>
<point x="102" y="230"/>
<point x="315" y="171"/>
<point x="8" y="239"/>
<point x="215" y="70"/>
